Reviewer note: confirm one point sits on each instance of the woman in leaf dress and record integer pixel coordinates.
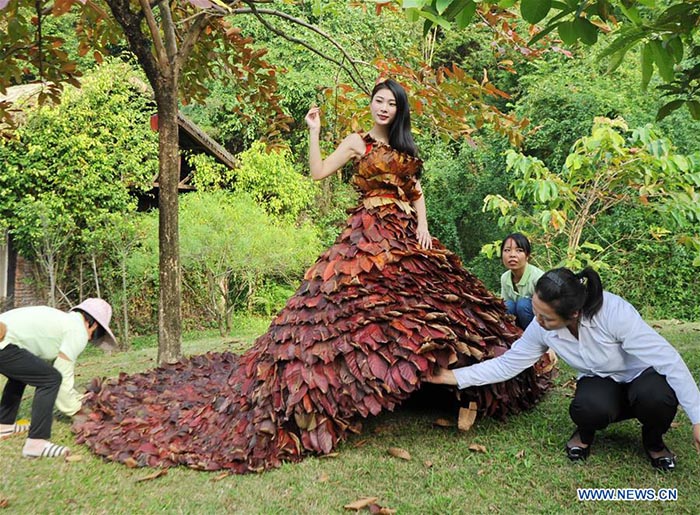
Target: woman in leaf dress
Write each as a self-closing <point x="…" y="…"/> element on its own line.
<point x="379" y="309"/>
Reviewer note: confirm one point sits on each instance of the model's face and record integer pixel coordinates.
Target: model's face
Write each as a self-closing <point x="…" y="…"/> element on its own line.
<point x="383" y="107"/>
<point x="546" y="316"/>
<point x="514" y="257"/>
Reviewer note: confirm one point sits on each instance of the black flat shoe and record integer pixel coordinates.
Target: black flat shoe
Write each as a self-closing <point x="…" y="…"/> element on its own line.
<point x="663" y="463"/>
<point x="575" y="452"/>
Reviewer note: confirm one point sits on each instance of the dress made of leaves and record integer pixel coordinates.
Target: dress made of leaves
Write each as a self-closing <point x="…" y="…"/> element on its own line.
<point x="372" y="316"/>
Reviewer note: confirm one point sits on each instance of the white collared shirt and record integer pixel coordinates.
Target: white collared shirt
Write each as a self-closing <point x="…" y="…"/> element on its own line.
<point x="615" y="343"/>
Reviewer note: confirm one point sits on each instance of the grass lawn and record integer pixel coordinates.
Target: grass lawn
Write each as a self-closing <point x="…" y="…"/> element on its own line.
<point x="523" y="470"/>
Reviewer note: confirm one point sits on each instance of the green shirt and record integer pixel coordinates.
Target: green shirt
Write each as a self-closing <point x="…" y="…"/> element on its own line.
<point x="526" y="285"/>
<point x="46" y="332"/>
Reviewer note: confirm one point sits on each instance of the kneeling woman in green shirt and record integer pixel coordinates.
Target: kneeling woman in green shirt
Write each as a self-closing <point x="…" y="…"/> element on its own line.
<point x="518" y="282"/>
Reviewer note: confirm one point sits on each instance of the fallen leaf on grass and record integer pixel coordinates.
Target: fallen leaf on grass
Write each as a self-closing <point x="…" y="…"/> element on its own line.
<point x="480" y="472"/>
<point x="381" y="510"/>
<point x="131" y="463"/>
<point x="323" y="478"/>
<point x="329" y="455"/>
<point x="71" y="458"/>
<point x="221" y="476"/>
<point x="443" y="422"/>
<point x="571" y="383"/>
<point x="467" y="416"/>
<point x="397" y="452"/>
<point x="360" y="503"/>
<point x="520" y="454"/>
<point x="155" y="475"/>
<point x="477" y="447"/>
<point x="4" y="503"/>
<point x="360" y="443"/>
<point x="428" y="464"/>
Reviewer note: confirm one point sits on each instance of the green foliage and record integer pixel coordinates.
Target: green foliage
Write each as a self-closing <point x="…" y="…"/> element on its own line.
<point x="210" y="173"/>
<point x="270" y="177"/>
<point x="666" y="31"/>
<point x="455" y="182"/>
<point x="81" y="159"/>
<point x="612" y="167"/>
<point x="561" y="97"/>
<point x="230" y="248"/>
<point x="68" y="179"/>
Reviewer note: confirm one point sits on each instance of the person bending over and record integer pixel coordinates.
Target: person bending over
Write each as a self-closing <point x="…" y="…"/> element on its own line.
<point x="39" y="348"/>
<point x="626" y="369"/>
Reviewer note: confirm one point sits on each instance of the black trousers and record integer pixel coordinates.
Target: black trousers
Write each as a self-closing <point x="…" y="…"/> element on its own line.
<point x="23" y="368"/>
<point x="600" y="401"/>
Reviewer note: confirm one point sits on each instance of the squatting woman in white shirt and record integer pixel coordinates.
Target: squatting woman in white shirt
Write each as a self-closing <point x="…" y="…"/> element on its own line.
<point x="626" y="369"/>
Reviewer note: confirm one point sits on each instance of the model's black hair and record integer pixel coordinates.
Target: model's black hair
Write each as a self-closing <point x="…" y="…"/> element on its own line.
<point x="567" y="292"/>
<point x="400" y="137"/>
<point x="99" y="332"/>
<point x="520" y="240"/>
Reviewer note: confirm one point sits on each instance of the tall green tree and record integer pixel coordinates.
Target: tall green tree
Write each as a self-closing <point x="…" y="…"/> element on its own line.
<point x="175" y="43"/>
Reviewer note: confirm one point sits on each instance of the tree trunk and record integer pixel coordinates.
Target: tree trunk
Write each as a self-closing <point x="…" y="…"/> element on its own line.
<point x="125" y="343"/>
<point x="169" y="320"/>
<point x="96" y="276"/>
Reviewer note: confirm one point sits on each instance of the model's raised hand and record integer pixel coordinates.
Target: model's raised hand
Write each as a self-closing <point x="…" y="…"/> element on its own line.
<point x="313" y="118"/>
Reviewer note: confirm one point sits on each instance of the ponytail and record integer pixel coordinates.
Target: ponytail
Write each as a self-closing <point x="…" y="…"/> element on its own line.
<point x="594" y="291"/>
<point x="568" y="292"/>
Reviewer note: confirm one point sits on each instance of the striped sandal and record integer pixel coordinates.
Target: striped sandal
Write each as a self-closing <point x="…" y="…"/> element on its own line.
<point x="14" y="429"/>
<point x="50" y="450"/>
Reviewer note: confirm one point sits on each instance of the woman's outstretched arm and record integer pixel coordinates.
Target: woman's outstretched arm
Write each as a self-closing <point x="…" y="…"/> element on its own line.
<point x="351" y="147"/>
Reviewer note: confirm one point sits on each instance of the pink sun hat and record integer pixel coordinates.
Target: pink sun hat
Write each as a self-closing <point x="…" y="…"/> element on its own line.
<point x="101" y="311"/>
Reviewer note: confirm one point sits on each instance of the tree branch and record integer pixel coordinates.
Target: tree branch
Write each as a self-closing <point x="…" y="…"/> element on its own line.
<point x="354" y="73"/>
<point x="169" y="31"/>
<point x="138" y="42"/>
<point x="191" y="38"/>
<point x="155" y="33"/>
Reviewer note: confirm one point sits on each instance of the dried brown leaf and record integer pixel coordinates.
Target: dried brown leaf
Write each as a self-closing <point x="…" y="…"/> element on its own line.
<point x="477" y="447"/>
<point x="520" y="454"/>
<point x="323" y="478"/>
<point x="360" y="443"/>
<point x="397" y="452"/>
<point x="221" y="476"/>
<point x="329" y="455"/>
<point x="72" y="458"/>
<point x="443" y="422"/>
<point x="131" y="463"/>
<point x="155" y="475"/>
<point x="360" y="503"/>
<point x="467" y="416"/>
<point x="4" y="503"/>
<point x="428" y="464"/>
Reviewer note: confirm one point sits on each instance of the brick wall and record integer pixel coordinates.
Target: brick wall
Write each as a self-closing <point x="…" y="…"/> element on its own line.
<point x="25" y="293"/>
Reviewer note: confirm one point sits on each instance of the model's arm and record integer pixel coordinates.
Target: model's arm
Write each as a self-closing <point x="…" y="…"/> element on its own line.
<point x="351" y="147"/>
<point x="422" y="232"/>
